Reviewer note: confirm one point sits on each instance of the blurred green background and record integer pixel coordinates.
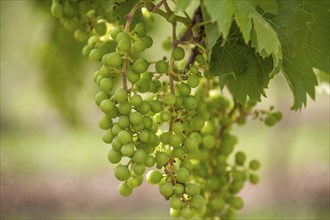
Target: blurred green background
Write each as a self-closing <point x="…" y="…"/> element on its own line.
<point x="54" y="164"/>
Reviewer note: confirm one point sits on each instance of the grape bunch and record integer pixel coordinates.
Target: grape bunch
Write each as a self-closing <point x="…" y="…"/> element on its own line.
<point x="164" y="120"/>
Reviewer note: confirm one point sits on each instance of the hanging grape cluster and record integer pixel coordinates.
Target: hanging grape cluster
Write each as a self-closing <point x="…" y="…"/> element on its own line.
<point x="168" y="121"/>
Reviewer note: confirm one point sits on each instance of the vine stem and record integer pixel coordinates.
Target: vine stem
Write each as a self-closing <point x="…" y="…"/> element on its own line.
<point x="129" y="20"/>
<point x="158" y="6"/>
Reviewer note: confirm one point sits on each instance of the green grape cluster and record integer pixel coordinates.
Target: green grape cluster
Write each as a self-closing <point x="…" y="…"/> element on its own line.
<point x="167" y="122"/>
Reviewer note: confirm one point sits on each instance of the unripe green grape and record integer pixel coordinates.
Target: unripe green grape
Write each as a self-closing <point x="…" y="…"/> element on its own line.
<point x="278" y="115"/>
<point x="270" y="120"/>
<point x="57" y="10"/>
<point x="161" y="66"/>
<point x="114" y="156"/>
<point x="100" y="96"/>
<point x="114" y="60"/>
<point x="236" y="186"/>
<point x="175" y="213"/>
<point x="80" y="35"/>
<point x="175" y="140"/>
<point x="138" y="128"/>
<point x="86" y="50"/>
<point x="121" y="172"/>
<point x="167" y="44"/>
<point x="104" y="123"/>
<point x="115" y="144"/>
<point x="254" y="165"/>
<point x="120" y="95"/>
<point x="166" y="189"/>
<point x="197" y="123"/>
<point x="154" y="177"/>
<point x="144" y="108"/>
<point x="143" y="85"/>
<point x="240" y="158"/>
<point x="187" y="213"/>
<point x="124" y="137"/>
<point x="165" y="137"/>
<point x="124" y="189"/>
<point x="190" y="143"/>
<point x="139" y="46"/>
<point x="127" y="150"/>
<point x="106" y="84"/>
<point x="187" y="164"/>
<point x="218" y="204"/>
<point x="140" y="65"/>
<point x="114" y="32"/>
<point x="123" y="122"/>
<point x="192" y="189"/>
<point x="237" y="203"/>
<point x="178" y="189"/>
<point x="197" y="202"/>
<point x="139" y="156"/>
<point x="200" y="59"/>
<point x="132" y="76"/>
<point x="122" y="35"/>
<point x="139" y="169"/>
<point x="156" y="106"/>
<point x="148" y="41"/>
<point x="202" y="211"/>
<point x="149" y="161"/>
<point x="125" y="108"/>
<point x="169" y="99"/>
<point x="124" y="45"/>
<point x="84" y="6"/>
<point x="106" y="105"/>
<point x="113" y="113"/>
<point x="135" y="118"/>
<point x="132" y="182"/>
<point x="193" y="81"/>
<point x="136" y="100"/>
<point x="191" y="102"/>
<point x="116" y="129"/>
<point x="208" y="141"/>
<point x="178" y="127"/>
<point x="161" y="158"/>
<point x="196" y="136"/>
<point x="140" y="30"/>
<point x="239" y="176"/>
<point x="178" y="152"/>
<point x="144" y="136"/>
<point x="178" y="53"/>
<point x="175" y="203"/>
<point x="70" y="10"/>
<point x="108" y="137"/>
<point x="184" y="89"/>
<point x="100" y="28"/>
<point x="254" y="178"/>
<point x="182" y="175"/>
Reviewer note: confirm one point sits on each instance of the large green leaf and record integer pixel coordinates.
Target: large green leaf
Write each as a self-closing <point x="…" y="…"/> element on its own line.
<point x="292" y="26"/>
<point x="267" y="5"/>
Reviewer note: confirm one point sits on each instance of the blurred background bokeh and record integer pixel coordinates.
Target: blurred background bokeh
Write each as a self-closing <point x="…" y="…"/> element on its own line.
<point x="53" y="160"/>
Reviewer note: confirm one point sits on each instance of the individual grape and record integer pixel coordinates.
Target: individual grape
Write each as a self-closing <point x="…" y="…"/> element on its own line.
<point x="165" y="116"/>
<point x="270" y="120"/>
<point x="178" y="152"/>
<point x="124" y="45"/>
<point x="121" y="172"/>
<point x="194" y="70"/>
<point x="122" y="35"/>
<point x="175" y="203"/>
<point x="254" y="165"/>
<point x="149" y="161"/>
<point x="132" y="76"/>
<point x="106" y="84"/>
<point x="169" y="99"/>
<point x="127" y="150"/>
<point x="167" y="44"/>
<point x="156" y="106"/>
<point x="140" y="30"/>
<point x="57" y="10"/>
<point x="124" y="189"/>
<point x="239" y="176"/>
<point x="143" y="85"/>
<point x="70" y="10"/>
<point x="139" y="169"/>
<point x="139" y="156"/>
<point x="106" y="105"/>
<point x="175" y="213"/>
<point x="115" y="144"/>
<point x="80" y="35"/>
<point x="182" y="175"/>
<point x="108" y="137"/>
<point x="100" y="96"/>
<point x="123" y="122"/>
<point x="120" y="95"/>
<point x="132" y="182"/>
<point x="175" y="140"/>
<point x="148" y="41"/>
<point x="161" y="158"/>
<point x="197" y="202"/>
<point x="154" y="177"/>
<point x="100" y="28"/>
<point x="236" y="186"/>
<point x="125" y="108"/>
<point x="178" y="189"/>
<point x="114" y="60"/>
<point x="187" y="212"/>
<point x="184" y="89"/>
<point x="86" y="50"/>
<point x="200" y="59"/>
<point x="192" y="189"/>
<point x="240" y="158"/>
<point x="139" y="178"/>
<point x="191" y="102"/>
<point x="278" y="115"/>
<point x="218" y="204"/>
<point x="208" y="141"/>
<point x="104" y="123"/>
<point x="114" y="156"/>
<point x="144" y="108"/>
<point x="187" y="164"/>
<point x="114" y="32"/>
<point x="140" y="65"/>
<point x="254" y="179"/>
<point x="124" y="137"/>
<point x="144" y="136"/>
<point x="161" y="66"/>
<point x="237" y="203"/>
<point x="178" y="53"/>
<point x="135" y="118"/>
<point x="193" y="81"/>
<point x="166" y="189"/>
<point x="197" y="123"/>
<point x="178" y="128"/>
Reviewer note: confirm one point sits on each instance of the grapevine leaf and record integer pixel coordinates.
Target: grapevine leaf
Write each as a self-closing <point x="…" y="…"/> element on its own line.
<point x="268" y="6"/>
<point x="318" y="38"/>
<point x="245" y="73"/>
<point x="182" y="5"/>
<point x="292" y="26"/>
